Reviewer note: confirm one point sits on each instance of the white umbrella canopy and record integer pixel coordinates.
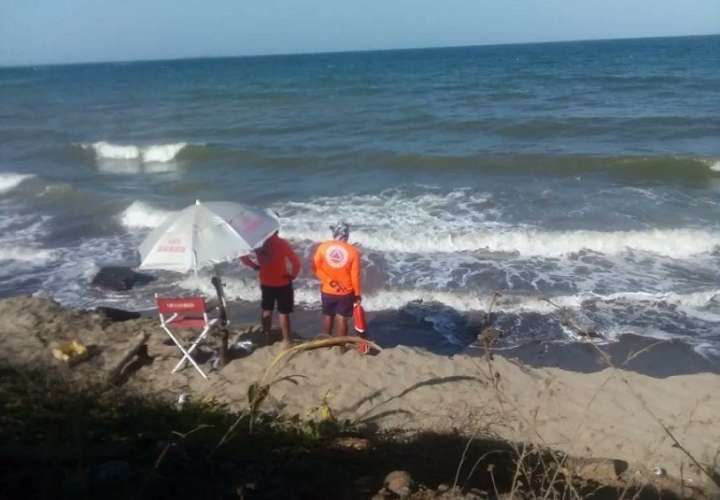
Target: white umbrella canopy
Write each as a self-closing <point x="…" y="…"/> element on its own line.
<point x="205" y="234"/>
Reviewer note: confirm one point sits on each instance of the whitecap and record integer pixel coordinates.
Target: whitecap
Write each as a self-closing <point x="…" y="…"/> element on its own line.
<point x="110" y="151"/>
<point x="464" y="221"/>
<point x="141" y="215"/>
<point x="9" y="181"/>
<point x="153" y="153"/>
<point x="35" y="256"/>
<point x="675" y="243"/>
<point x="162" y="153"/>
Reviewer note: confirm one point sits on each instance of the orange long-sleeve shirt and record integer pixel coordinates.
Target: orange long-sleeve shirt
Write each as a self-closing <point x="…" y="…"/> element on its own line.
<point x="337" y="266"/>
<point x="279" y="264"/>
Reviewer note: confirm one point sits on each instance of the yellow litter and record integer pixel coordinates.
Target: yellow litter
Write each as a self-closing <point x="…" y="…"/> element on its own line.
<point x="70" y="352"/>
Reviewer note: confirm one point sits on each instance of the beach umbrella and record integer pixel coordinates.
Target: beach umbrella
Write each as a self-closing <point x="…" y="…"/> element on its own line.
<point x="205" y="234"/>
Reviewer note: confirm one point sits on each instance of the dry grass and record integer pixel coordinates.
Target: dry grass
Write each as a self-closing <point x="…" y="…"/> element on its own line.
<point x="540" y="473"/>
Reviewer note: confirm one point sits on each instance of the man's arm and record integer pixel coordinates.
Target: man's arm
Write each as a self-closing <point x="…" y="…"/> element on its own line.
<point x="245" y="259"/>
<point x="294" y="262"/>
<point x="318" y="261"/>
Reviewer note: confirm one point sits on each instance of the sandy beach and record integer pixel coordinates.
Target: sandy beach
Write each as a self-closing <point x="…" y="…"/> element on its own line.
<point x="611" y="413"/>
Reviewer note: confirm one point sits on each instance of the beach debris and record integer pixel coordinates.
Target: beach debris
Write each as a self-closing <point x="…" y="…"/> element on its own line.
<point x="487" y="337"/>
<point x="243" y="346"/>
<point x="602" y="470"/>
<point x="476" y="494"/>
<point x="660" y="472"/>
<point x="215" y="360"/>
<point x="351" y="443"/>
<point x="363" y="348"/>
<point x="136" y="347"/>
<point x="181" y="400"/>
<point x="119" y="278"/>
<point x="577" y="322"/>
<point x="325" y="411"/>
<point x="70" y="352"/>
<point x="399" y="482"/>
<point x="488" y="333"/>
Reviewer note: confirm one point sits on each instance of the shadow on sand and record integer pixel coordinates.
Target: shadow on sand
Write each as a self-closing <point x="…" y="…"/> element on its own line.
<point x="64" y="441"/>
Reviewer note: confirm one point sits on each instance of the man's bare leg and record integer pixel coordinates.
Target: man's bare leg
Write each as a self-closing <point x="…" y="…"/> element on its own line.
<point x="285" y="328"/>
<point x="266" y="320"/>
<point x="327" y="325"/>
<point x="342" y="326"/>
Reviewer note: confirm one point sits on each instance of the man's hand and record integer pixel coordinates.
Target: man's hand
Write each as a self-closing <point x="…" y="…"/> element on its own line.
<point x="245" y="259"/>
<point x="358" y="300"/>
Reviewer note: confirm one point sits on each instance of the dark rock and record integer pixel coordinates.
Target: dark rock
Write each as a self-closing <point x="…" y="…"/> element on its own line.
<point x="114" y="314"/>
<point x="120" y="278"/>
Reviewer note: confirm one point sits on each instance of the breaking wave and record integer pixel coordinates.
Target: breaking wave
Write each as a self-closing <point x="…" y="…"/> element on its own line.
<point x="155" y="153"/>
<point x="675" y="243"/>
<point x="10" y="181"/>
<point x="141" y="215"/>
<point x="397" y="228"/>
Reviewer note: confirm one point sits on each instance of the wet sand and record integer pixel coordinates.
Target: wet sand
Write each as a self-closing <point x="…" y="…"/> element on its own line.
<point x="645" y="355"/>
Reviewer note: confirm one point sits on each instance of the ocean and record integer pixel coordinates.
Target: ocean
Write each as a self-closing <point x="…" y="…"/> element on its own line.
<point x="578" y="180"/>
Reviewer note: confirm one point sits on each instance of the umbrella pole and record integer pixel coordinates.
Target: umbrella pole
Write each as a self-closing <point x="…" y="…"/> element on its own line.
<point x="217" y="283"/>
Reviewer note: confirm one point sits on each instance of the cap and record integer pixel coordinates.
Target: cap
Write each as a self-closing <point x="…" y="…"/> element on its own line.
<point x="340" y="231"/>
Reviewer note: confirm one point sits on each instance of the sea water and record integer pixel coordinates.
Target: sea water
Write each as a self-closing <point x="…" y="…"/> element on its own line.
<point x="577" y="179"/>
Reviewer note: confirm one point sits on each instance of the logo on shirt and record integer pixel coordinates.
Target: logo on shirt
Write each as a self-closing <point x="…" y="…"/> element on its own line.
<point x="336" y="256"/>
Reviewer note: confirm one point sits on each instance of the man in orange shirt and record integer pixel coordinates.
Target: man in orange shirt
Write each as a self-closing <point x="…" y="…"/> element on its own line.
<point x="278" y="266"/>
<point x="337" y="266"/>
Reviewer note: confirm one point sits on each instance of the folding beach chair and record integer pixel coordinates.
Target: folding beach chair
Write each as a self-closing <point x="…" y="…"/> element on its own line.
<point x="184" y="313"/>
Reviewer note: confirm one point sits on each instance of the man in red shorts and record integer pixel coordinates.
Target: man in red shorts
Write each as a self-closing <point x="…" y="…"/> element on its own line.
<point x="278" y="266"/>
<point x="337" y="266"/>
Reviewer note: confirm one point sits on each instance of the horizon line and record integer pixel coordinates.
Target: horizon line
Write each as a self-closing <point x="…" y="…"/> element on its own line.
<point x="349" y="51"/>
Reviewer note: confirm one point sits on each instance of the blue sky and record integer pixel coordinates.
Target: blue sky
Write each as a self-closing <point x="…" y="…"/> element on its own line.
<point x="59" y="31"/>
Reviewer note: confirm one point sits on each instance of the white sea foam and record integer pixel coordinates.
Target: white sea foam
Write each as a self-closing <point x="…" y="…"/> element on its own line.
<point x="129" y="167"/>
<point x="162" y="153"/>
<point x="114" y="151"/>
<point x="715" y="166"/>
<point x="155" y="153"/>
<point x="69" y="280"/>
<point x="465" y="221"/>
<point x="9" y="181"/>
<point x="708" y="351"/>
<point x="460" y="300"/>
<point x="141" y="215"/>
<point x="35" y="256"/>
<point x="676" y="243"/>
<point x="56" y="189"/>
<point x="387" y="230"/>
